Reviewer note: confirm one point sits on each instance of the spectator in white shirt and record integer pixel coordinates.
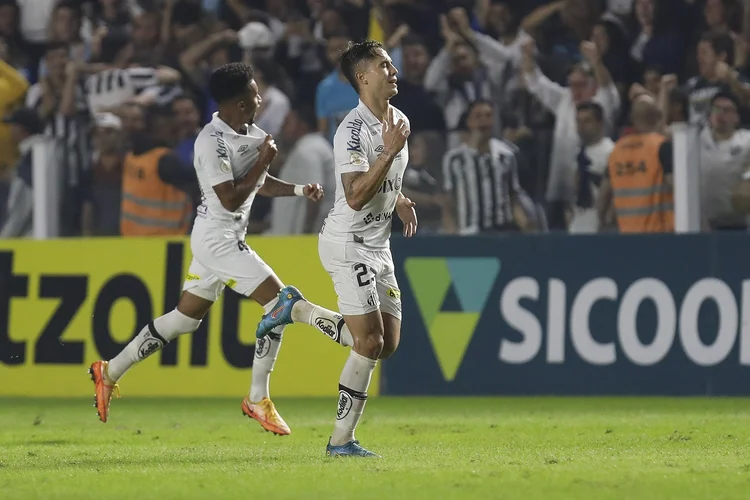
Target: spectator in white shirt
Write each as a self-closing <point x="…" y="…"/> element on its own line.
<point x="275" y="105"/>
<point x="725" y="155"/>
<point x="310" y="161"/>
<point x="591" y="81"/>
<point x="591" y="161"/>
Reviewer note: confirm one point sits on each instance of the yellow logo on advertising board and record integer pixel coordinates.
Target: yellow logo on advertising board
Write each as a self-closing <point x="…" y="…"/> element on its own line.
<point x="57" y="315"/>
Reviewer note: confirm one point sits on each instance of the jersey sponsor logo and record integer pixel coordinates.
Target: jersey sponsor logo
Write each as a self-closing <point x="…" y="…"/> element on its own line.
<point x="355" y="130"/>
<point x="221" y="146"/>
<point x="381" y="217"/>
<point x="390" y="185"/>
<point x="225" y="167"/>
<point x="242" y="149"/>
<point x="192" y="277"/>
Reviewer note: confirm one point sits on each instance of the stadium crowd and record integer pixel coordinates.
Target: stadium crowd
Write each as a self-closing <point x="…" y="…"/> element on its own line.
<point x="514" y="104"/>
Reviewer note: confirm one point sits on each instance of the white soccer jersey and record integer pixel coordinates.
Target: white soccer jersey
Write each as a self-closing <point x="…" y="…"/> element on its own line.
<point x="356" y="146"/>
<point x="221" y="155"/>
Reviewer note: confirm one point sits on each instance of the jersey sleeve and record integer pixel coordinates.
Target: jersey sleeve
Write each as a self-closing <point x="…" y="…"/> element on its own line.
<point x="212" y="157"/>
<point x="351" y="146"/>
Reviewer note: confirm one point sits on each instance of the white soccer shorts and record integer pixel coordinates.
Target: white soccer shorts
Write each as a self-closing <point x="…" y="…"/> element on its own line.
<point x="364" y="279"/>
<point x="222" y="258"/>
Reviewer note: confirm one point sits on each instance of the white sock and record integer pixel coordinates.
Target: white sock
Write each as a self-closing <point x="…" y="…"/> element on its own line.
<point x="151" y="339"/>
<point x="266" y="352"/>
<point x="353" y="384"/>
<point x="327" y="322"/>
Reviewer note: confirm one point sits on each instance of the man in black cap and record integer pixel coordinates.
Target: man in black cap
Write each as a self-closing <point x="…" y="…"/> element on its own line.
<point x="25" y="126"/>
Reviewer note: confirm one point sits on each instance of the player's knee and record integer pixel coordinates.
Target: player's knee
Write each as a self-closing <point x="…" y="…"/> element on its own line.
<point x="370" y="342"/>
<point x="373" y="345"/>
<point x="389" y="347"/>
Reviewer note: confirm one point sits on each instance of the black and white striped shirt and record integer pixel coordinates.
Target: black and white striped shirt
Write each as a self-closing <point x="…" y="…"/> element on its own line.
<point x="482" y="185"/>
<point x="113" y="87"/>
<point x="71" y="133"/>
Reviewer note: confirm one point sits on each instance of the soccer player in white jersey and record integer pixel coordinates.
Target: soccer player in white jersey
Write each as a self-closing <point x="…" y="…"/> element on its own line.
<point x="232" y="157"/>
<point x="371" y="154"/>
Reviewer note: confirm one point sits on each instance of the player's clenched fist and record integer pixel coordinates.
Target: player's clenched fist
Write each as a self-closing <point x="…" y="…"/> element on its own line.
<point x="394" y="133"/>
<point x="267" y="150"/>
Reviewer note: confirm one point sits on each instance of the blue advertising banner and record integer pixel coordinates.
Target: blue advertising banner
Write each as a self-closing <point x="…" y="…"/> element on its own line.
<point x="578" y="315"/>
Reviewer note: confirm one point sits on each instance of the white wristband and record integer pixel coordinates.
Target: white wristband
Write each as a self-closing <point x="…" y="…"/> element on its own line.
<point x="299" y="190"/>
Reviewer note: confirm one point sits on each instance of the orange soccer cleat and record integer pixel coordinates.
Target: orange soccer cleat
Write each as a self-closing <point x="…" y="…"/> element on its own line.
<point x="102" y="389"/>
<point x="266" y="415"/>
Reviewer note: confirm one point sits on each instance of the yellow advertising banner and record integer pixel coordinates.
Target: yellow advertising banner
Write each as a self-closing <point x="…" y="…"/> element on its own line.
<point x="67" y="303"/>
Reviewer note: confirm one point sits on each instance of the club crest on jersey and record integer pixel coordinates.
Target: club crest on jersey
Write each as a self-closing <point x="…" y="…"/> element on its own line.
<point x="355" y="129"/>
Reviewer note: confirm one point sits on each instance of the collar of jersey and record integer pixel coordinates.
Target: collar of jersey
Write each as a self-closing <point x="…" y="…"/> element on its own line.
<point x="224" y="126"/>
<point x="367" y="115"/>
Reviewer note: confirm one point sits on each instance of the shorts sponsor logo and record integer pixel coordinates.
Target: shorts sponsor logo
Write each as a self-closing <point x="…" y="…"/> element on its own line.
<point x="262" y="347"/>
<point x="149" y="346"/>
<point x="326" y="326"/>
<point x="345" y="405"/>
<point x="192" y="277"/>
<point x="231" y="283"/>
<point x="394" y="294"/>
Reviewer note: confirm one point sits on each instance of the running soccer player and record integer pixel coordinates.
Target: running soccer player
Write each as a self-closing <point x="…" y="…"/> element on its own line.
<point x="232" y="157"/>
<point x="371" y="154"/>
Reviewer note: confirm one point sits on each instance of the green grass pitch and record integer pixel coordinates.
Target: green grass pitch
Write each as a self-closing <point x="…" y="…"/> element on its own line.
<point x="433" y="448"/>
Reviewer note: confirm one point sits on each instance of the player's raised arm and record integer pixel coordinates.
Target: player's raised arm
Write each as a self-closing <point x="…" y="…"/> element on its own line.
<point x="233" y="193"/>
<point x="361" y="187"/>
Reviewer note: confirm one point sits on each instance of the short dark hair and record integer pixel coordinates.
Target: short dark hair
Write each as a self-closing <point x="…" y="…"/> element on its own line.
<point x="594" y="107"/>
<point x="354" y="55"/>
<point x="722" y="43"/>
<point x="479" y="102"/>
<point x="229" y="81"/>
<point x="185" y="96"/>
<point x="71" y="5"/>
<point x="55" y="45"/>
<point x="306" y="114"/>
<point x="728" y="95"/>
<point x="270" y="70"/>
<point x="413" y="39"/>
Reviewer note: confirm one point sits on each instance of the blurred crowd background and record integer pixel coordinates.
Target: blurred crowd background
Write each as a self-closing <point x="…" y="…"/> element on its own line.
<point x="543" y="87"/>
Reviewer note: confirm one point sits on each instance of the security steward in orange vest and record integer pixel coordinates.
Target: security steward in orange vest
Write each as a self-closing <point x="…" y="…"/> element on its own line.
<point x="638" y="182"/>
<point x="155" y="183"/>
